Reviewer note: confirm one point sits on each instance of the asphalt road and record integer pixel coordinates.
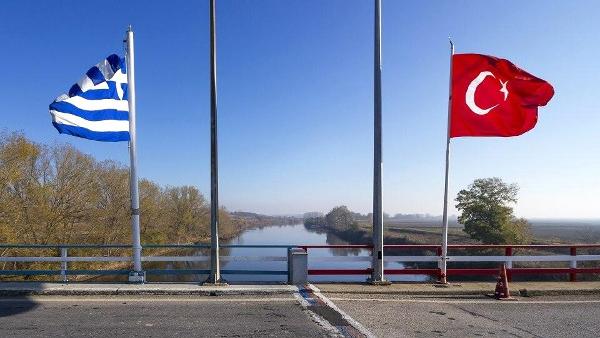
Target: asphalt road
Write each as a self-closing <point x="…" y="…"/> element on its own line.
<point x="397" y="316"/>
<point x="384" y="315"/>
<point x="151" y="316"/>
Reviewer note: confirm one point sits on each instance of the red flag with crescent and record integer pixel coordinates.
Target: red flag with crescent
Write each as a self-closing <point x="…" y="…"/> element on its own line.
<point x="493" y="97"/>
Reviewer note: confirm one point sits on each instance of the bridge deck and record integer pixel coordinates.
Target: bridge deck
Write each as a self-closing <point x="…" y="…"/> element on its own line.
<point x="325" y="310"/>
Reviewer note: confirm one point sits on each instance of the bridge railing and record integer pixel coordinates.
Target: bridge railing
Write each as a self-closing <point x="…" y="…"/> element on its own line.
<point x="169" y="251"/>
<point x="461" y="260"/>
<point x="462" y="254"/>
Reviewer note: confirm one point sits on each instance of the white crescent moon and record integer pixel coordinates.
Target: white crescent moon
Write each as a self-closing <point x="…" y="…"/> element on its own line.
<point x="470" y="95"/>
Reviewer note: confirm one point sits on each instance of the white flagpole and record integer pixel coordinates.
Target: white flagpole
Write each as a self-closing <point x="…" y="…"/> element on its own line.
<point x="137" y="275"/>
<point x="444" y="258"/>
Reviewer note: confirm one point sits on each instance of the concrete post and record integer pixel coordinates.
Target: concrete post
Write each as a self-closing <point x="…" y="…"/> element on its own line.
<point x="573" y="265"/>
<point x="297" y="266"/>
<point x="508" y="251"/>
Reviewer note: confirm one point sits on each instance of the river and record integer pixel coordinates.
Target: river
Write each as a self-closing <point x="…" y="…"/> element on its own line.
<point x="283" y="235"/>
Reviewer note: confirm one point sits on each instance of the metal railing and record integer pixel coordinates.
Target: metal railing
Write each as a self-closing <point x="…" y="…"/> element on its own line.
<point x="508" y="258"/>
<point x="64" y="259"/>
<point x="429" y="254"/>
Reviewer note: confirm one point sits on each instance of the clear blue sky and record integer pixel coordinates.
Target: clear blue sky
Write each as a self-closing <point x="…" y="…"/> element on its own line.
<point x="295" y="96"/>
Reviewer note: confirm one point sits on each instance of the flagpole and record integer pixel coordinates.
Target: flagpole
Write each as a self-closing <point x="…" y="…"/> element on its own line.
<point x="137" y="275"/>
<point x="444" y="258"/>
<point x="215" y="267"/>
<point x="377" y="253"/>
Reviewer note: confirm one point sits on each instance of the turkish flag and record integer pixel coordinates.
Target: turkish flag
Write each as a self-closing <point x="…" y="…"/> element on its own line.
<point x="493" y="97"/>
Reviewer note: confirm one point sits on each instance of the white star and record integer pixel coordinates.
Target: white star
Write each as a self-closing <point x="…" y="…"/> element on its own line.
<point x="503" y="89"/>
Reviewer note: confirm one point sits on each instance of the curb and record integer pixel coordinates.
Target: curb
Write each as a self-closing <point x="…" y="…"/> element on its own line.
<point x="15" y="293"/>
<point x="521" y="292"/>
<point x="557" y="292"/>
<point x="142" y="290"/>
<point x="258" y="290"/>
<point x="459" y="290"/>
<point x="58" y="292"/>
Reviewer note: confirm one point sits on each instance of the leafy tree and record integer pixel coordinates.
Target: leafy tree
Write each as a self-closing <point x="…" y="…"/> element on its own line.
<point x="341" y="218"/>
<point x="487" y="215"/>
<point x="57" y="194"/>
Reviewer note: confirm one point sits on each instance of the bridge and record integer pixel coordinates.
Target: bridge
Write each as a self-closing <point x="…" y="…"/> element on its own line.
<point x="459" y="254"/>
<point x="65" y="299"/>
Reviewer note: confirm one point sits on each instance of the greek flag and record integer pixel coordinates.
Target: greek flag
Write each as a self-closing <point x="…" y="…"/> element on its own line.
<point x="96" y="107"/>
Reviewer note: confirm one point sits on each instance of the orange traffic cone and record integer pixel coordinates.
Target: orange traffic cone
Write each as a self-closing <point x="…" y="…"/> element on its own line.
<point x="502" y="291"/>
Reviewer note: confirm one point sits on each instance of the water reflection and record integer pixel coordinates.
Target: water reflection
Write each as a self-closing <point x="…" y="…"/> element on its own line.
<point x="274" y="235"/>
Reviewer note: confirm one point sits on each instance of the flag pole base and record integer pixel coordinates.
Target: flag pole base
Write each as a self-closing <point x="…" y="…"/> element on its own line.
<point x="210" y="281"/>
<point x="137" y="277"/>
<point x="218" y="284"/>
<point x="382" y="282"/>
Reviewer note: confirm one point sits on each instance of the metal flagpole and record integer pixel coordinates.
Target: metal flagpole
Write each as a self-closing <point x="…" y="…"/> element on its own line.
<point x="137" y="275"/>
<point x="377" y="265"/>
<point x="215" y="267"/>
<point x="444" y="257"/>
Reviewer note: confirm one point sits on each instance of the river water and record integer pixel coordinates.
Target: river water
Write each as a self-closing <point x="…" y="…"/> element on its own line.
<point x="283" y="235"/>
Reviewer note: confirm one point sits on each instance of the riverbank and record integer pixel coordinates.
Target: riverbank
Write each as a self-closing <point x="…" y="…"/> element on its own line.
<point x="243" y="222"/>
<point x="395" y="234"/>
<point x="238" y="223"/>
<point x="431" y="233"/>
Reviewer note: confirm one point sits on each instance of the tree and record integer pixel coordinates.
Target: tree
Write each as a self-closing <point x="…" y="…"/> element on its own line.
<point x="314" y="222"/>
<point x="190" y="212"/>
<point x="57" y="194"/>
<point x="487" y="215"/>
<point x="341" y="218"/>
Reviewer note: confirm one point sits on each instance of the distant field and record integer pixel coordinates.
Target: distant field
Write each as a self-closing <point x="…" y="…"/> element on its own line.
<point x="543" y="231"/>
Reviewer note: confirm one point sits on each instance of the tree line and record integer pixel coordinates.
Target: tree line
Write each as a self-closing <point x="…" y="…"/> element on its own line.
<point x="57" y="194"/>
<point x="485" y="212"/>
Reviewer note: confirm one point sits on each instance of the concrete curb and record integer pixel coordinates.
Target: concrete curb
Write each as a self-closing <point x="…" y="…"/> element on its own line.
<point x="521" y="292"/>
<point x="556" y="292"/>
<point x="465" y="289"/>
<point x="50" y="289"/>
<point x="8" y="289"/>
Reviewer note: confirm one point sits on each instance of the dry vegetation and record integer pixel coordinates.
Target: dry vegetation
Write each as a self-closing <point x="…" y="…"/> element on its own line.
<point x="58" y="195"/>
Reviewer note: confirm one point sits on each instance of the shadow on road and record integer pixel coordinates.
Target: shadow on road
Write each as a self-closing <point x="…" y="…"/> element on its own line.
<point x="14" y="306"/>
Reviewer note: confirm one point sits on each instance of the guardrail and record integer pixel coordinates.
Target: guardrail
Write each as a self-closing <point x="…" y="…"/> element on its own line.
<point x="64" y="259"/>
<point x="427" y="254"/>
<point x="507" y="258"/>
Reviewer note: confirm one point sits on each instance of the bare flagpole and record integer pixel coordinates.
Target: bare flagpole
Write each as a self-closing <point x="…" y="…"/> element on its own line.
<point x="377" y="265"/>
<point x="215" y="267"/>
<point x="137" y="275"/>
<point x="444" y="258"/>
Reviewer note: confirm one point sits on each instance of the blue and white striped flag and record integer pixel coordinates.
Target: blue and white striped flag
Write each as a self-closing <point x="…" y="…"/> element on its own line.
<point x="96" y="107"/>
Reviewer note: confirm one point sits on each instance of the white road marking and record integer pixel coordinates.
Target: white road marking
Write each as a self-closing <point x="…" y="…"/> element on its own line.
<point x="358" y="326"/>
<point x="467" y="301"/>
<point x="68" y="299"/>
<point x="315" y="317"/>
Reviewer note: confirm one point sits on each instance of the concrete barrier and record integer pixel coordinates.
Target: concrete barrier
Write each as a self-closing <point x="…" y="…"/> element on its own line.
<point x="297" y="266"/>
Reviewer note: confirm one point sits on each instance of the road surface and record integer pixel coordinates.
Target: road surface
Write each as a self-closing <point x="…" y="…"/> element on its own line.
<point x="477" y="316"/>
<point x="383" y="315"/>
<point x="152" y="316"/>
